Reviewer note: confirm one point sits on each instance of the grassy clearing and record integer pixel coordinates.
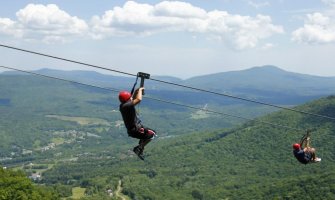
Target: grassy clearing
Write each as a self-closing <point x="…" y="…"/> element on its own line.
<point x="199" y="115"/>
<point x="49" y="166"/>
<point x="58" y="141"/>
<point x="81" y="120"/>
<point x="78" y="192"/>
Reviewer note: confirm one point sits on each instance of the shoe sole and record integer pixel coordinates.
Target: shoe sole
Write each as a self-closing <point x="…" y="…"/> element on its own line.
<point x="139" y="154"/>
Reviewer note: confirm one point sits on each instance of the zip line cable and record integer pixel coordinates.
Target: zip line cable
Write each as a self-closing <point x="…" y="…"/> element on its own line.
<point x="229" y="115"/>
<point x="61" y="79"/>
<point x="155" y="99"/>
<point x="245" y="99"/>
<point x="171" y="83"/>
<point x="67" y="60"/>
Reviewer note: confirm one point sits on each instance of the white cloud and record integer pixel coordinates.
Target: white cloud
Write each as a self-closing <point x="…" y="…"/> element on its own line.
<point x="267" y="46"/>
<point x="241" y="31"/>
<point x="330" y="3"/>
<point x="258" y="5"/>
<point x="47" y="23"/>
<point x="178" y="9"/>
<point x="317" y="29"/>
<point x="144" y="19"/>
<point x="9" y="27"/>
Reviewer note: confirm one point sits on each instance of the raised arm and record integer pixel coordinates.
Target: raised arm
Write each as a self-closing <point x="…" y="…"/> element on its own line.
<point x="138" y="96"/>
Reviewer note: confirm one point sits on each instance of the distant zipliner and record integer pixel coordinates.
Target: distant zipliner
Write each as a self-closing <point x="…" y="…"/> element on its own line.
<point x="303" y="152"/>
<point x="133" y="124"/>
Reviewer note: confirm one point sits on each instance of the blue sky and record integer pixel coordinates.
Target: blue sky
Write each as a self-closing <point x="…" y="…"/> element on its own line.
<point x="175" y="38"/>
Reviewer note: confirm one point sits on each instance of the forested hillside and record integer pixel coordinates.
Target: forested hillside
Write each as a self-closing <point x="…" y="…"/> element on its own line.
<point x="35" y="109"/>
<point x="73" y="138"/>
<point x="253" y="161"/>
<point x="39" y="114"/>
<point x="15" y="185"/>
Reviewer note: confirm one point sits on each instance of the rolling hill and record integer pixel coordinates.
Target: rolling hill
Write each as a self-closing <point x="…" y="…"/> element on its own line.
<point x="265" y="78"/>
<point x="252" y="161"/>
<point x="74" y="133"/>
<point x="268" y="83"/>
<point x="265" y="83"/>
<point x="26" y="101"/>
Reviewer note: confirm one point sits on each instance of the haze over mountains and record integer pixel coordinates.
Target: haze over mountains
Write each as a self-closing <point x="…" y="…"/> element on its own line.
<point x="266" y="78"/>
<point x="265" y="83"/>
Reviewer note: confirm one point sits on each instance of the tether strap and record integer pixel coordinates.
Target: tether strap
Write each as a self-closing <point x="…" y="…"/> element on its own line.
<point x="132" y="90"/>
<point x="305" y="137"/>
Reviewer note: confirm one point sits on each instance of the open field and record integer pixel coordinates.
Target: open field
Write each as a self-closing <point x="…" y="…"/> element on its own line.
<point x="81" y="120"/>
<point x="78" y="192"/>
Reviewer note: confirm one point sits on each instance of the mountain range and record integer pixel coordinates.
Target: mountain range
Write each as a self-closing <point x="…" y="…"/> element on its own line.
<point x="266" y="83"/>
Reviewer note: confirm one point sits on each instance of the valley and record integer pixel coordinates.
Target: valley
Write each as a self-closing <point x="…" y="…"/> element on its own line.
<point x="72" y="140"/>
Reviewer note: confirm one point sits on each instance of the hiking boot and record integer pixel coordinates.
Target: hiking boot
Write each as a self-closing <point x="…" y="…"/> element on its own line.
<point x="139" y="152"/>
<point x="136" y="150"/>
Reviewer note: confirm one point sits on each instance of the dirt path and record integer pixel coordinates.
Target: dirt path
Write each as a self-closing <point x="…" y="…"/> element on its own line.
<point x="119" y="194"/>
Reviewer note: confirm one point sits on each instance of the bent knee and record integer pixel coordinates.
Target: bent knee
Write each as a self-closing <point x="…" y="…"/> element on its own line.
<point x="309" y="149"/>
<point x="151" y="132"/>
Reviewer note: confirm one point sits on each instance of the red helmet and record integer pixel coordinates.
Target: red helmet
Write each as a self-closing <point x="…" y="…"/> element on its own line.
<point x="124" y="96"/>
<point x="296" y="146"/>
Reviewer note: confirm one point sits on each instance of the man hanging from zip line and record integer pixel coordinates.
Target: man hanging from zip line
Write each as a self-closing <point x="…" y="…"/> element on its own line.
<point x="133" y="124"/>
<point x="304" y="153"/>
